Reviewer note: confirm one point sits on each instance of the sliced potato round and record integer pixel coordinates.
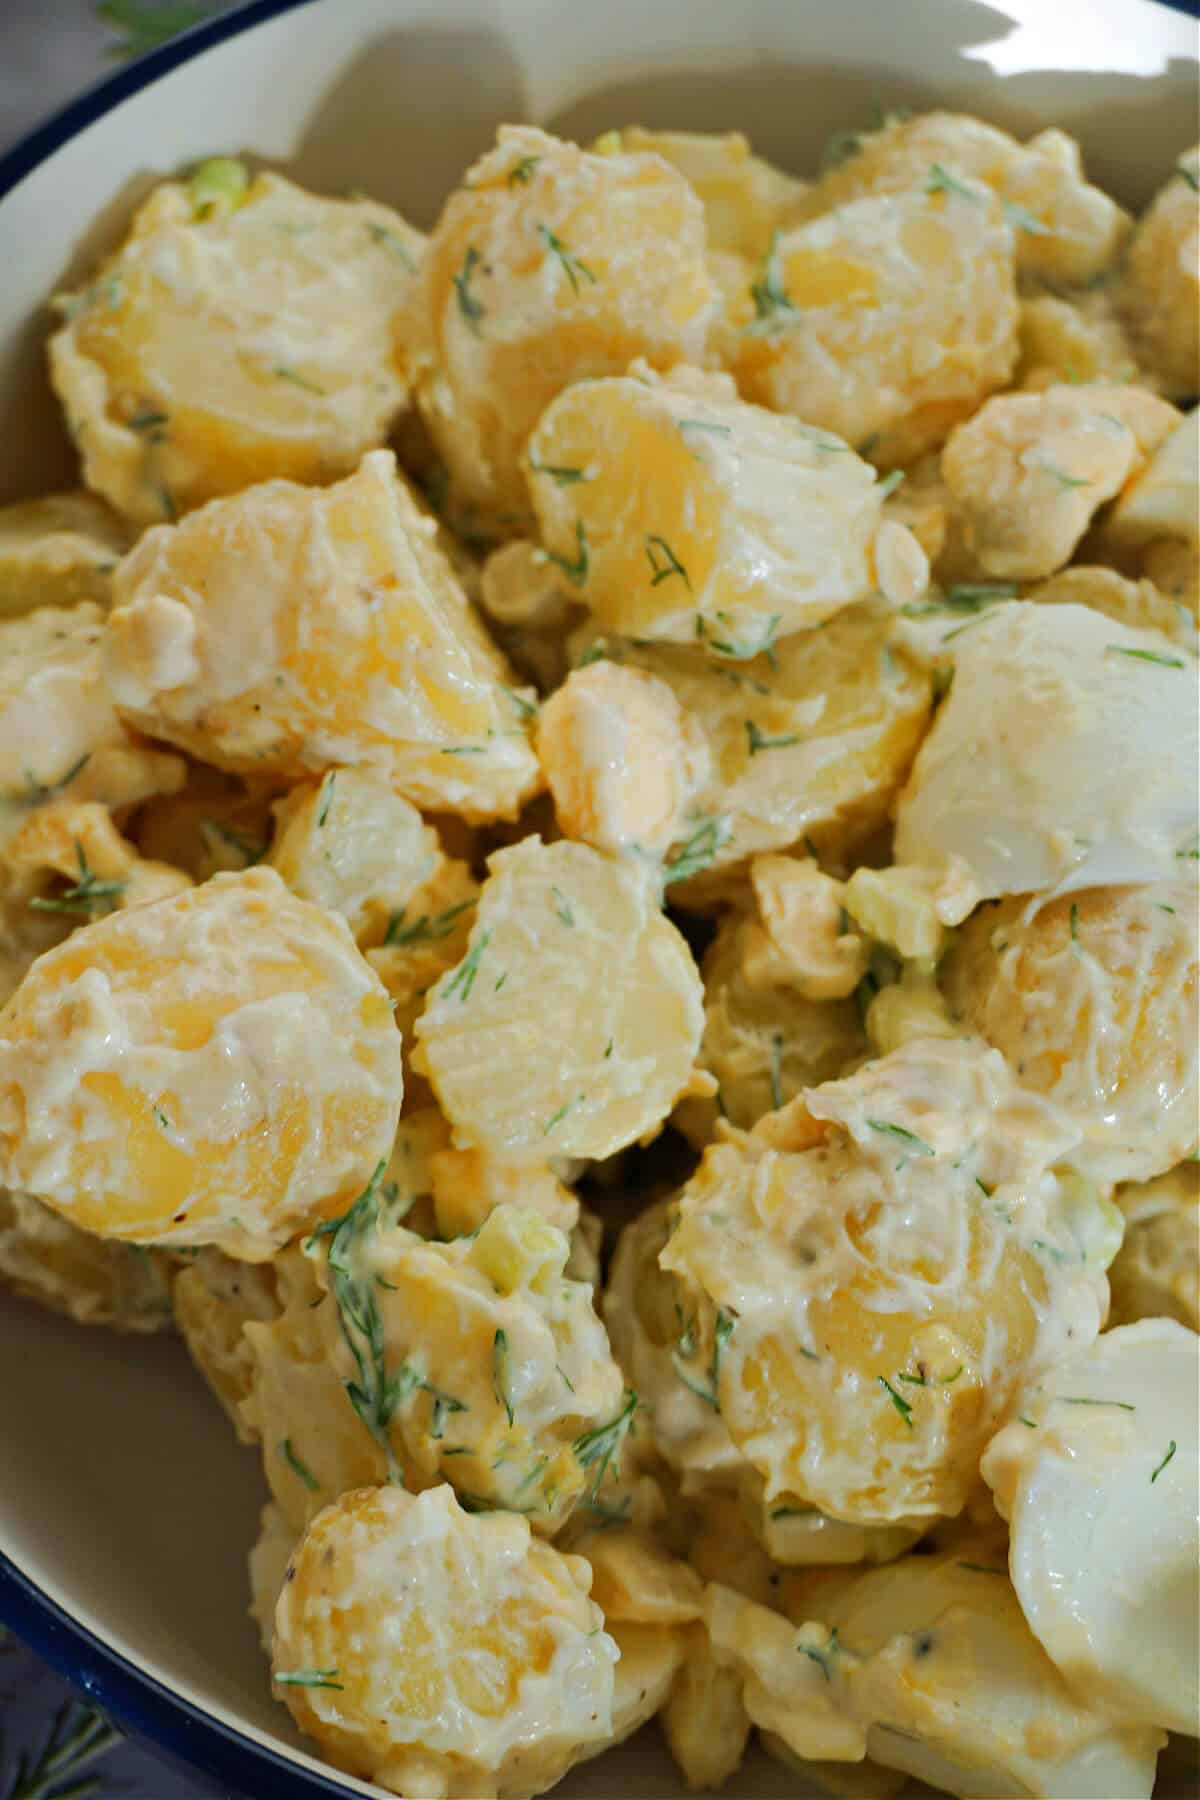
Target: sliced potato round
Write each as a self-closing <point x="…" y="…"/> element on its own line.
<point x="47" y="1259"/>
<point x="571" y="1026"/>
<point x="58" y="551"/>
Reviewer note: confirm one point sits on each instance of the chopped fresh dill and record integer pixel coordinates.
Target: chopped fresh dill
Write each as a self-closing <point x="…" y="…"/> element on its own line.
<point x="469" y="304"/>
<point x="88" y="896"/>
<point x="1171" y="1449"/>
<point x="597" y="1449"/>
<point x="247" y="848"/>
<point x="79" y="1736"/>
<point x="36" y="793"/>
<point x="521" y="173"/>
<point x="731" y="647"/>
<point x="572" y="266"/>
<point x="297" y="380"/>
<point x="565" y="474"/>
<point x="463" y="978"/>
<point x="576" y="570"/>
<point x="1086" y="1400"/>
<point x="390" y="241"/>
<point x="761" y="740"/>
<point x="776" y="1071"/>
<point x="500" y="1374"/>
<point x="556" y="1118"/>
<point x="890" y="483"/>
<point x="298" y="1467"/>
<point x="1150" y="656"/>
<point x="769" y="294"/>
<point x="925" y="1381"/>
<point x="1065" y="481"/>
<point x="709" y="425"/>
<point x="709" y="1389"/>
<point x="309" y="1678"/>
<point x="981" y="1568"/>
<point x="429" y="928"/>
<point x="325" y="798"/>
<point x="898" y="1401"/>
<point x="664" y="563"/>
<point x="941" y="181"/>
<point x="562" y="907"/>
<point x="823" y="1656"/>
<point x="902" y="1135"/>
<point x="1185" y="174"/>
<point x="1022" y="220"/>
<point x="698" y="851"/>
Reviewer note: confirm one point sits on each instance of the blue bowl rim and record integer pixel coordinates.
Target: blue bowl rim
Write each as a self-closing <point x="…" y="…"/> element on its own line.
<point x="133" y="1696"/>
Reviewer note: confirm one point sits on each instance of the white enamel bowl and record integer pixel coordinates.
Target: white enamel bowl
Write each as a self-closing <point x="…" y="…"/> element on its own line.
<point x="126" y="1508"/>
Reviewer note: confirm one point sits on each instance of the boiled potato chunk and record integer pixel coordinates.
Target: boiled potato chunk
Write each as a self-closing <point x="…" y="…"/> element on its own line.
<point x="571" y="1026"/>
<point x="1160" y="503"/>
<point x="1029" y="471"/>
<point x="436" y="1653"/>
<point x="214" y="1298"/>
<point x="1018" y="776"/>
<point x="214" y="824"/>
<point x="351" y="844"/>
<point x="1099" y="1482"/>
<point x="1066" y="231"/>
<point x="548" y="265"/>
<point x="228" y="344"/>
<point x="621" y="758"/>
<point x="682" y="514"/>
<point x="705" y="1721"/>
<point x="744" y="198"/>
<point x="1161" y="290"/>
<point x="1094" y="1001"/>
<point x="884" y="322"/>
<point x="288" y="629"/>
<point x="1079" y="338"/>
<point x="58" y="551"/>
<point x="47" y="1259"/>
<point x="219" y="1067"/>
<point x="810" y="738"/>
<point x="860" y="1311"/>
<point x="1157" y="1269"/>
<point x="949" y="1684"/>
<point x="59" y="732"/>
<point x="1141" y="605"/>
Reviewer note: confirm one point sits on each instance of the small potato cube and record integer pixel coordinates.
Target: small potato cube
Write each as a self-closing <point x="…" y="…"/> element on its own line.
<point x="682" y="514"/>
<point x="911" y="910"/>
<point x="468" y="1186"/>
<point x="46" y="1259"/>
<point x="78" y="841"/>
<point x="621" y="758"/>
<point x="1029" y="471"/>
<point x="572" y="1024"/>
<point x="1160" y="296"/>
<point x="351" y="844"/>
<point x="793" y="1682"/>
<point x="59" y="733"/>
<point x="885" y="322"/>
<point x="289" y="629"/>
<point x="228" y="342"/>
<point x="1065" y="230"/>
<point x="1161" y="501"/>
<point x="805" y="940"/>
<point x="58" y="551"/>
<point x="705" y="1721"/>
<point x="548" y="265"/>
<point x="431" y="1651"/>
<point x="1075" y="339"/>
<point x="215" y="824"/>
<point x="220" y="1067"/>
<point x="744" y="198"/>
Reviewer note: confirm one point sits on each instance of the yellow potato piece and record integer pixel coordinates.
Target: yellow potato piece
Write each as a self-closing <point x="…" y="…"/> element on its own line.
<point x="1029" y="471"/>
<point x="763" y="1043"/>
<point x="1161" y="501"/>
<point x="803" y="937"/>
<point x="1156" y="1273"/>
<point x="214" y="1298"/>
<point x="1140" y="605"/>
<point x="58" y="551"/>
<point x="621" y="758"/>
<point x="705" y="1721"/>
<point x="351" y="844"/>
<point x="744" y="198"/>
<point x="1093" y="1000"/>
<point x="1075" y="339"/>
<point x="548" y="265"/>
<point x="1160" y="294"/>
<point x="215" y="824"/>
<point x="680" y="513"/>
<point x="1066" y="231"/>
<point x="860" y="1311"/>
<point x="59" y="733"/>
<point x="810" y="739"/>
<point x="571" y="1026"/>
<point x="93" y="1282"/>
<point x="885" y="322"/>
<point x="287" y="630"/>
<point x="430" y="1651"/>
<point x="220" y="1067"/>
<point x="221" y="346"/>
<point x="422" y="941"/>
<point x="77" y="841"/>
<point x="468" y="1186"/>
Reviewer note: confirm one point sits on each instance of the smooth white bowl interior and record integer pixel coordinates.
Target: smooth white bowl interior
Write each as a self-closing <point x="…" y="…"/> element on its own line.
<point x="124" y="1495"/>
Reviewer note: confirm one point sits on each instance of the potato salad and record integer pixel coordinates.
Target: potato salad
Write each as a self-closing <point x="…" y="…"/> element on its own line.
<point x="599" y="904"/>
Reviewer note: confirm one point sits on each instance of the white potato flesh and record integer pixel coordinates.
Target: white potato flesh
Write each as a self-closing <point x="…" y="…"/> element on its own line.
<point x="1100" y="1482"/>
<point x="227" y="344"/>
<point x="1161" y="500"/>
<point x="1156" y="1273"/>
<point x="47" y="1259"/>
<point x="682" y="514"/>
<point x="462" y="1656"/>
<point x="571" y="1026"/>
<point x="57" y="551"/>
<point x="1020" y="776"/>
<point x="288" y="630"/>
